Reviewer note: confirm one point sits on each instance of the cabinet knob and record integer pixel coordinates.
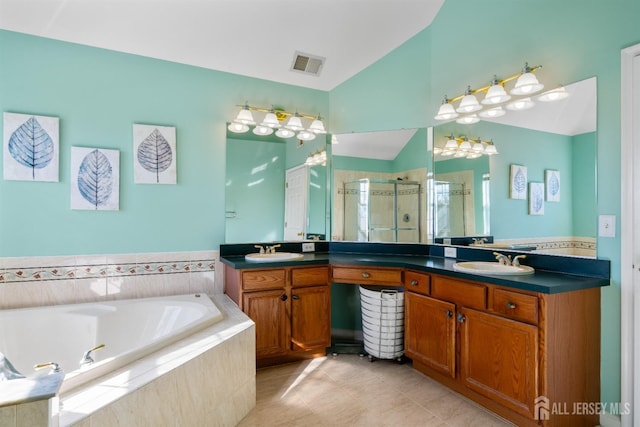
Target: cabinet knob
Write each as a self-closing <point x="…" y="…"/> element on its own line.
<point x="511" y="305"/>
<point x="461" y="318"/>
<point x="283" y="297"/>
<point x="296" y="297"/>
<point x="365" y="275"/>
<point x="414" y="283"/>
<point x="449" y="314"/>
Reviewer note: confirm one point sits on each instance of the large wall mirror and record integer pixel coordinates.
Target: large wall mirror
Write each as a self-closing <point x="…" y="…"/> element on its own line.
<point x="549" y="153"/>
<point x="258" y="205"/>
<point x="380" y="186"/>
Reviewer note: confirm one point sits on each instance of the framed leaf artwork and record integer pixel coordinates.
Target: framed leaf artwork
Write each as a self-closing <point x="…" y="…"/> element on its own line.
<point x="154" y="152"/>
<point x="31" y="148"/>
<point x="518" y="182"/>
<point x="552" y="185"/>
<point x="536" y="198"/>
<point x="95" y="179"/>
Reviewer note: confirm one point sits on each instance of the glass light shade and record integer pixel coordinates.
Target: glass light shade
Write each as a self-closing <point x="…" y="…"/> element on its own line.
<point x="294" y="123"/>
<point x="437" y="150"/>
<point x="245" y="117"/>
<point x="490" y="150"/>
<point x="554" y="95"/>
<point x="238" y="127"/>
<point x="262" y="130"/>
<point x="477" y="147"/>
<point x="469" y="104"/>
<point x="460" y="154"/>
<point x="526" y="84"/>
<point x="465" y="145"/>
<point x="284" y="133"/>
<point x="520" y="104"/>
<point x="451" y="144"/>
<point x="317" y="127"/>
<point x="468" y="120"/>
<point x="305" y="135"/>
<point x="492" y="112"/>
<point x="495" y="95"/>
<point x="447" y="153"/>
<point x="446" y="112"/>
<point x="473" y="155"/>
<point x="271" y="121"/>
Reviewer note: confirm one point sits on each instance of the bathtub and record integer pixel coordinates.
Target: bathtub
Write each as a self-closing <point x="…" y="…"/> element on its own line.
<point x="129" y="330"/>
<point x="198" y="350"/>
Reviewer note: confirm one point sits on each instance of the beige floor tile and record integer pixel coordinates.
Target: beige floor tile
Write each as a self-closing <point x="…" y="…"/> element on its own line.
<point x="348" y="390"/>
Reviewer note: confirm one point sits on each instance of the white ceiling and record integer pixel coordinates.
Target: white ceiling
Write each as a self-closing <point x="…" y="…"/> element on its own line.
<point x="256" y="38"/>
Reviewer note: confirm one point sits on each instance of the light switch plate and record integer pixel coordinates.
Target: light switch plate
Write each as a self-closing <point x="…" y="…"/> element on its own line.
<point x="607" y="226"/>
<point x="450" y="252"/>
<point x="308" y="247"/>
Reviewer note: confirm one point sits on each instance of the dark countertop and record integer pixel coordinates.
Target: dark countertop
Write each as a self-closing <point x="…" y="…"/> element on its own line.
<point x="543" y="281"/>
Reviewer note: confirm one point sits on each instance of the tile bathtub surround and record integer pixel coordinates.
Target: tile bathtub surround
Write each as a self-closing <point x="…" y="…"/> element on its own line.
<point x="35" y="281"/>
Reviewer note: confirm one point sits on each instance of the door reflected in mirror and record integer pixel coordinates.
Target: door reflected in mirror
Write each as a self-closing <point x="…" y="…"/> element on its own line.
<point x="472" y="195"/>
<point x="380" y="186"/>
<point x="255" y="189"/>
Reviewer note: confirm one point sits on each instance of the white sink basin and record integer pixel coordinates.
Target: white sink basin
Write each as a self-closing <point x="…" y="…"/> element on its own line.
<point x="278" y="256"/>
<point x="493" y="268"/>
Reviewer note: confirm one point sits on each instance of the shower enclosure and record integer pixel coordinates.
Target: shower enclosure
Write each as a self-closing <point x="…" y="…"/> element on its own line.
<point x="382" y="210"/>
<point x="450" y="209"/>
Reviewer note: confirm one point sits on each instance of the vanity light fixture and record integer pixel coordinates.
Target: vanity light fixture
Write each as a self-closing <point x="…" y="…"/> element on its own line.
<point x="317" y="158"/>
<point x="469" y="110"/>
<point x="273" y="120"/>
<point x="464" y="147"/>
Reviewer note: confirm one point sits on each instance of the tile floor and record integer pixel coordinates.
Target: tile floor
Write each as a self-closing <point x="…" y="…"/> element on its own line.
<point x="349" y="390"/>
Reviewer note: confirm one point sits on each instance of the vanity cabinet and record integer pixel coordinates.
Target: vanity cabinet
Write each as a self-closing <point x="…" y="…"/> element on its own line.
<point x="512" y="351"/>
<point x="291" y="308"/>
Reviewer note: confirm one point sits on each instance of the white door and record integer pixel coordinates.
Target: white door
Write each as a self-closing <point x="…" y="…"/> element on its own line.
<point x="295" y="203"/>
<point x="630" y="235"/>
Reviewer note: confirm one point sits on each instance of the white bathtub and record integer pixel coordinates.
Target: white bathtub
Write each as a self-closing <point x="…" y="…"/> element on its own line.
<point x="129" y="330"/>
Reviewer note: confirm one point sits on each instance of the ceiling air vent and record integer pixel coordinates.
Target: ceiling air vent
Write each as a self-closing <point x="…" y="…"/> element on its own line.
<point x="308" y="64"/>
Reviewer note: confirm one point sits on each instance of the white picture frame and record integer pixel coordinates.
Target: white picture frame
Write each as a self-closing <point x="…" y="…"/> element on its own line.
<point x="154" y="154"/>
<point x="518" y="182"/>
<point x="552" y="185"/>
<point x="31" y="148"/>
<point x="536" y="198"/>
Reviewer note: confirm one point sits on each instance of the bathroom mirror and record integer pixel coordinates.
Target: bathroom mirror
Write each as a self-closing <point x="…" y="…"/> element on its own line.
<point x="551" y="144"/>
<point x="379" y="188"/>
<point x="256" y="170"/>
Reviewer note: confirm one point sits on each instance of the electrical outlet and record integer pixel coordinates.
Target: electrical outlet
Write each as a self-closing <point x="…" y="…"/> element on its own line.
<point x="450" y="252"/>
<point x="308" y="247"/>
<point x="607" y="226"/>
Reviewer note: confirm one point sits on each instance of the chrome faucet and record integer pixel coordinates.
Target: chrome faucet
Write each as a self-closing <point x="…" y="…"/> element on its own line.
<point x="259" y="247"/>
<point x="516" y="260"/>
<point x="86" y="357"/>
<point x="7" y="371"/>
<point x="55" y="368"/>
<point x="502" y="258"/>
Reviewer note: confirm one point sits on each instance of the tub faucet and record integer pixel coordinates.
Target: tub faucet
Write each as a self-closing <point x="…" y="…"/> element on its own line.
<point x="7" y="371"/>
<point x="55" y="368"/>
<point x="86" y="357"/>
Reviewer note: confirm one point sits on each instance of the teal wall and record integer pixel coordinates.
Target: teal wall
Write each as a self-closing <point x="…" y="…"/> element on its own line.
<point x="255" y="176"/>
<point x="583" y="179"/>
<point x="98" y="95"/>
<point x="573" y="39"/>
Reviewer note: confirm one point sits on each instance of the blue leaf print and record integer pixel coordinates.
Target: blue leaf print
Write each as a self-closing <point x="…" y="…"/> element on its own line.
<point x="31" y="146"/>
<point x="154" y="154"/>
<point x="519" y="181"/>
<point x="537" y="198"/>
<point x="554" y="185"/>
<point x="95" y="178"/>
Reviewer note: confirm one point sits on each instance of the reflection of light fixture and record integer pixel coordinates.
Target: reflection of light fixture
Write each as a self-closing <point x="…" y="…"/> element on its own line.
<point x="526" y="84"/>
<point x="465" y="147"/>
<point x="273" y="119"/>
<point x="317" y="158"/>
<point x="554" y="94"/>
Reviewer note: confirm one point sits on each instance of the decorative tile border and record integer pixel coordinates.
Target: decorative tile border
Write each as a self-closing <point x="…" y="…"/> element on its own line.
<point x="30" y="274"/>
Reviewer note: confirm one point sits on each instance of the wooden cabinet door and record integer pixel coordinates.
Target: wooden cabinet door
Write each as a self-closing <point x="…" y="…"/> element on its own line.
<point x="499" y="359"/>
<point x="311" y="317"/>
<point x="429" y="332"/>
<point x="268" y="309"/>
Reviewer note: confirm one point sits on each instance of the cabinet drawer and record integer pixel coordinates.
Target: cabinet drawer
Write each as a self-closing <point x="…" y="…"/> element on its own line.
<point x="371" y="276"/>
<point x="417" y="282"/>
<point x="461" y="293"/>
<point x="516" y="305"/>
<point x="309" y="276"/>
<point x="253" y="280"/>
